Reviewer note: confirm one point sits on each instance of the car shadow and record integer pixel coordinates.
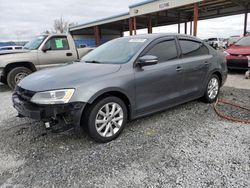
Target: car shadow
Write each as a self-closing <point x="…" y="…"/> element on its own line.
<point x="232" y="71"/>
<point x="4" y="88"/>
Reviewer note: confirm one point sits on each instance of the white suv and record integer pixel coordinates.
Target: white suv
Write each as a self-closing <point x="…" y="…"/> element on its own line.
<point x="216" y="42"/>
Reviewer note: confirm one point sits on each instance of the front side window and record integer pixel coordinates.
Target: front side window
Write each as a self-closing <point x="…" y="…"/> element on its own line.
<point x="57" y="43"/>
<point x="165" y="51"/>
<point x="192" y="48"/>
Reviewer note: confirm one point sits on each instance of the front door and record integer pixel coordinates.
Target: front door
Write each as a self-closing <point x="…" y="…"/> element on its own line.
<point x="158" y="86"/>
<point x="59" y="52"/>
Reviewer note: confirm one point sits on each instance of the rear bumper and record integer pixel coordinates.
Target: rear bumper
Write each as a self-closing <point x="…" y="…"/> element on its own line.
<point x="240" y="63"/>
<point x="70" y="113"/>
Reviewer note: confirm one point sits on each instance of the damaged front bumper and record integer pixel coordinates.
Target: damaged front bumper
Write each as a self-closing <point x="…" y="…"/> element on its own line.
<point x="64" y="114"/>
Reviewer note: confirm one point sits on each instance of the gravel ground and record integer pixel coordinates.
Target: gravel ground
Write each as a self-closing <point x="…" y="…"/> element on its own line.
<point x="186" y="146"/>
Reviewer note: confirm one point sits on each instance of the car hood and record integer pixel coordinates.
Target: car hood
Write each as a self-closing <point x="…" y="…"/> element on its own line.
<point x="239" y="50"/>
<point x="70" y="76"/>
<point x="6" y="52"/>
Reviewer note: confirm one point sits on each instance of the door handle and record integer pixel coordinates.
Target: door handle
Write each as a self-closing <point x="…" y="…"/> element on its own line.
<point x="69" y="54"/>
<point x="206" y="63"/>
<point x="179" y="69"/>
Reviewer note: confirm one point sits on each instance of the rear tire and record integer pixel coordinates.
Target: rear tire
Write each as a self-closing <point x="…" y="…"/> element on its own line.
<point x="16" y="75"/>
<point x="105" y="119"/>
<point x="212" y="89"/>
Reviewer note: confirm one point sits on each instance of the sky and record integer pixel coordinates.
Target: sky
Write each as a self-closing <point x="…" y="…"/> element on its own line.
<point x="23" y="19"/>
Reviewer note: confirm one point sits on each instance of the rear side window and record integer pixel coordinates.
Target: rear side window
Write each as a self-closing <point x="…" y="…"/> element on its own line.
<point x="192" y="48"/>
<point x="58" y="43"/>
<point x="164" y="51"/>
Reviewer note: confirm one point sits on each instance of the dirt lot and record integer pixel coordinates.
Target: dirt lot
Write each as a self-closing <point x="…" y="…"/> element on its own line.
<point x="186" y="146"/>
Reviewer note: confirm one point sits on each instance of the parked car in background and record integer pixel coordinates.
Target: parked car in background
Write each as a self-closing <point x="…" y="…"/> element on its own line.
<point x="121" y="80"/>
<point x="216" y="43"/>
<point x="11" y="48"/>
<point x="44" y="51"/>
<point x="232" y="40"/>
<point x="238" y="54"/>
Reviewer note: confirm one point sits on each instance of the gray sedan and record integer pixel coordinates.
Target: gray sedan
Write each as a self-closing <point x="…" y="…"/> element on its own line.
<point x="121" y="80"/>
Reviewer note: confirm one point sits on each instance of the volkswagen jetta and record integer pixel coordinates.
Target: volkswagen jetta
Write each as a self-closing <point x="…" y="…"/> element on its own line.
<point x="121" y="80"/>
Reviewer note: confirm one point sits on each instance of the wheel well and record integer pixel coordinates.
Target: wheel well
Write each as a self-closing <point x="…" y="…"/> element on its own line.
<point x="219" y="75"/>
<point x="10" y="66"/>
<point x="118" y="94"/>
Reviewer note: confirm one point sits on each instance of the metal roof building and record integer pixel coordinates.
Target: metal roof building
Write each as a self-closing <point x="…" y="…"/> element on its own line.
<point x="154" y="13"/>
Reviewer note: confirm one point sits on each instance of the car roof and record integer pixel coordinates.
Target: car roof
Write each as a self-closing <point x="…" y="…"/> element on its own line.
<point x="159" y="35"/>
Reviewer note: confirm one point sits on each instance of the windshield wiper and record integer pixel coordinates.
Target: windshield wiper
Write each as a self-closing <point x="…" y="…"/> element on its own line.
<point x="93" y="61"/>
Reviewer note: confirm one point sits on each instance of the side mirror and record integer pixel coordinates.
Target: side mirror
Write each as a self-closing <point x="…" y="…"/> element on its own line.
<point x="46" y="48"/>
<point x="148" y="60"/>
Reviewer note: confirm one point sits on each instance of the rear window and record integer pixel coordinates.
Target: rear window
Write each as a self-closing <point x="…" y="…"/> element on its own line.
<point x="192" y="48"/>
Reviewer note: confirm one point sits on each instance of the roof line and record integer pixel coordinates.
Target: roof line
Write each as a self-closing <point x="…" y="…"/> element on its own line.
<point x="99" y="20"/>
<point x="141" y="3"/>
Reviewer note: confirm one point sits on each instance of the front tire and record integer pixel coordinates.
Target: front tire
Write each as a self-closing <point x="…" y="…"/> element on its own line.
<point x="212" y="89"/>
<point x="105" y="119"/>
<point x="16" y="75"/>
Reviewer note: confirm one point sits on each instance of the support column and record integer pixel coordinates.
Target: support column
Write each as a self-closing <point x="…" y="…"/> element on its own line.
<point x="97" y="35"/>
<point x="150" y="30"/>
<point x="121" y="33"/>
<point x="130" y="26"/>
<point x="245" y="23"/>
<point x="134" y="25"/>
<point x="191" y="28"/>
<point x="185" y="27"/>
<point x="179" y="24"/>
<point x="196" y="15"/>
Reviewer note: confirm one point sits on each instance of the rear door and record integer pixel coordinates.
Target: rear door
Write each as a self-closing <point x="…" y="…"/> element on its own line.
<point x="195" y="64"/>
<point x="158" y="86"/>
<point x="59" y="52"/>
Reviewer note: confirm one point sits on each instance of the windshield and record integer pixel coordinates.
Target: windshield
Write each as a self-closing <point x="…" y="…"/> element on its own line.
<point x="244" y="41"/>
<point x="117" y="51"/>
<point x="35" y="43"/>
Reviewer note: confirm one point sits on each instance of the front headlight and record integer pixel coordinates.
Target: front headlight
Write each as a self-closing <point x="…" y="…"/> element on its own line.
<point x="53" y="97"/>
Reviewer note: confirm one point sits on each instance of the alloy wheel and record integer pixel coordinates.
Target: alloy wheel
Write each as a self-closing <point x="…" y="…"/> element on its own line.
<point x="213" y="88"/>
<point x="109" y="119"/>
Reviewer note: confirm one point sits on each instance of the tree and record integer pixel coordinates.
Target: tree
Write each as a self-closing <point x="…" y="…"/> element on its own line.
<point x="62" y="26"/>
<point x="46" y="32"/>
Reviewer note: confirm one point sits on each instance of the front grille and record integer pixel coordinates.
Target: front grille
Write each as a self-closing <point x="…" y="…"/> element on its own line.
<point x="24" y="94"/>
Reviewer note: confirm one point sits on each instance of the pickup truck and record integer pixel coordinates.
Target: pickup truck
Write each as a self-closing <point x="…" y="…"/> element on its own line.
<point x="44" y="51"/>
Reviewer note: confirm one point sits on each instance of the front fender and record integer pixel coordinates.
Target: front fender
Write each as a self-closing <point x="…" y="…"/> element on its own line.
<point x="7" y="59"/>
<point x="107" y="90"/>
